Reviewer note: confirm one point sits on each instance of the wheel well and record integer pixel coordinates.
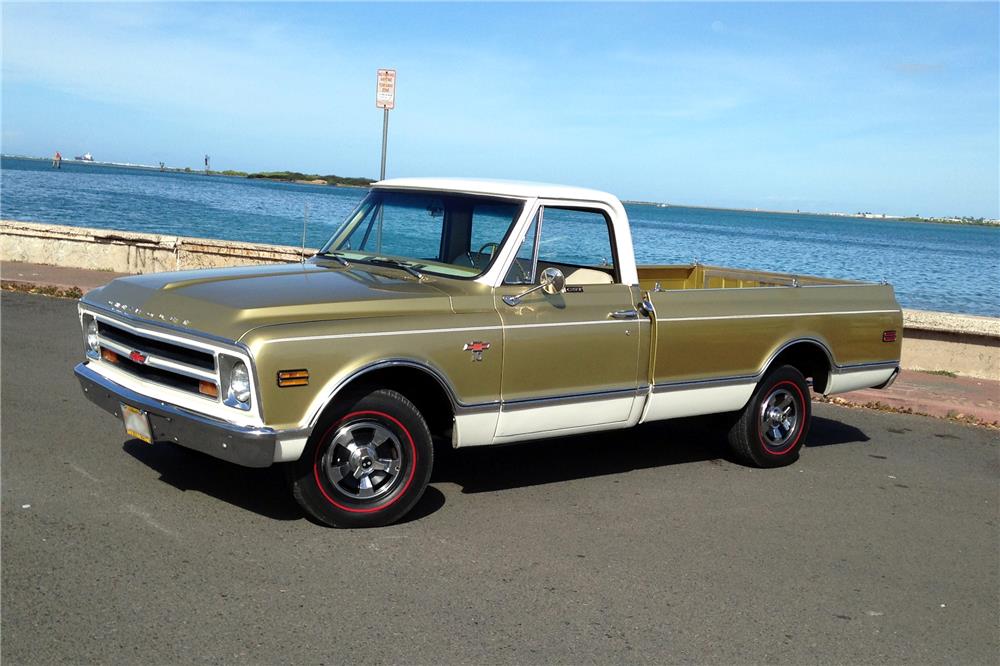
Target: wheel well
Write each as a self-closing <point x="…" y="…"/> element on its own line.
<point x="419" y="387"/>
<point x="810" y="359"/>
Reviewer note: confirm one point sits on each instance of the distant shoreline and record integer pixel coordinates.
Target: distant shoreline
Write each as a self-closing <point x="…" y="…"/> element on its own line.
<point x="967" y="221"/>
<point x="273" y="176"/>
<point x="362" y="183"/>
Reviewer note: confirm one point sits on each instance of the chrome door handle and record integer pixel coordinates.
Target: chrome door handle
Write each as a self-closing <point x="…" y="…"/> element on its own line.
<point x="624" y="314"/>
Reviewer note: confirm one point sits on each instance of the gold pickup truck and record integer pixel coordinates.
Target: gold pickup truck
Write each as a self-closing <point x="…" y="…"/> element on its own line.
<point x="472" y="313"/>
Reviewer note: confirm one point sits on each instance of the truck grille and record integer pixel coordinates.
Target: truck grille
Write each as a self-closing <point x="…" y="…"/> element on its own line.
<point x="156" y="360"/>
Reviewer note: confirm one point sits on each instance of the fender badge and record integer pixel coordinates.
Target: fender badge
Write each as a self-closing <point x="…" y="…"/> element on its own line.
<point x="477" y="349"/>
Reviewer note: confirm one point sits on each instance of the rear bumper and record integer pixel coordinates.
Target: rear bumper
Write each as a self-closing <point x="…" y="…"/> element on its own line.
<point x="892" y="378"/>
<point x="247" y="446"/>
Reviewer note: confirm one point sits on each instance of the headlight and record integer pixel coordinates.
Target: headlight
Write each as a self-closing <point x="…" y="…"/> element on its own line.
<point x="92" y="342"/>
<point x="239" y="382"/>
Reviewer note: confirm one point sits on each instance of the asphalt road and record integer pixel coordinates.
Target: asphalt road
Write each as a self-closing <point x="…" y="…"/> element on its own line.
<point x="880" y="544"/>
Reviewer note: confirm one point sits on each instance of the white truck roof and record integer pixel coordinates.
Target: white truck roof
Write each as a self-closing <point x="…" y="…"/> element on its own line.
<point x="510" y="188"/>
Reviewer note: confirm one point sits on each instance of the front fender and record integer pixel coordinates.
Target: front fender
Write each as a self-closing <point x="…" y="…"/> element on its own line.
<point x="336" y="352"/>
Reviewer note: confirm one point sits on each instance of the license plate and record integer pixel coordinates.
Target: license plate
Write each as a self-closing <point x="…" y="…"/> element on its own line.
<point x="137" y="423"/>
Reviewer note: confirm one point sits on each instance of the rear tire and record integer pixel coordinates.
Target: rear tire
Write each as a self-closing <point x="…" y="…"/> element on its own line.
<point x="367" y="462"/>
<point x="774" y="424"/>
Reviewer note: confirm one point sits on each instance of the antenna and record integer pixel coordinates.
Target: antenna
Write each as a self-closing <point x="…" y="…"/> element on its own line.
<point x="305" y="220"/>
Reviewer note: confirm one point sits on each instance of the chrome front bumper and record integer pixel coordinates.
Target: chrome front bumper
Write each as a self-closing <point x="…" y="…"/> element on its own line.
<point x="247" y="446"/>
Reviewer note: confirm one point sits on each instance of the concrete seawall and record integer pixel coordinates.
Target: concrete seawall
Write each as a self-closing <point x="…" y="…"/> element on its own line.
<point x="933" y="341"/>
<point x="129" y="251"/>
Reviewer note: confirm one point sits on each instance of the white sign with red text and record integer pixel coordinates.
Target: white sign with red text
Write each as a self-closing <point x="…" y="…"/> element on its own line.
<point x="385" y="89"/>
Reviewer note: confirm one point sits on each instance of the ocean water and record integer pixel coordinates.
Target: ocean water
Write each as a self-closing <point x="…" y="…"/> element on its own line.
<point x="951" y="268"/>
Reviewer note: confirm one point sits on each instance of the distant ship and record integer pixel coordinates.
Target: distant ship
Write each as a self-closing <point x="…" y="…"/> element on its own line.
<point x="86" y="157"/>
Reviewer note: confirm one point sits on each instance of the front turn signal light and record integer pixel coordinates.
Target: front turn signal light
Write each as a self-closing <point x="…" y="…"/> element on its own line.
<point x="109" y="355"/>
<point x="293" y="378"/>
<point x="209" y="389"/>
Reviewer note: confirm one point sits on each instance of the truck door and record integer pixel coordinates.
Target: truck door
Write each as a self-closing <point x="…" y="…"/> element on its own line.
<point x="570" y="359"/>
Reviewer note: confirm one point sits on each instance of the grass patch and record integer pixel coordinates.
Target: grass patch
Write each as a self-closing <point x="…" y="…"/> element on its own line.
<point x="939" y="373"/>
<point x="44" y="290"/>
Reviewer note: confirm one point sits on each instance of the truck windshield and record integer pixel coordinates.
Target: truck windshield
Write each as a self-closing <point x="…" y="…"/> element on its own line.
<point x="428" y="232"/>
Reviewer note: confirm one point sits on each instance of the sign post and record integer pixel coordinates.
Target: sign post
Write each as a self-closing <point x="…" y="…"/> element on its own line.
<point x="385" y="99"/>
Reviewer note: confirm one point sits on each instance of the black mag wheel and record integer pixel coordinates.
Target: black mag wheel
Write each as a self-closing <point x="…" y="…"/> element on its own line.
<point x="367" y="462"/>
<point x="779" y="419"/>
<point x="363" y="459"/>
<point x="774" y="423"/>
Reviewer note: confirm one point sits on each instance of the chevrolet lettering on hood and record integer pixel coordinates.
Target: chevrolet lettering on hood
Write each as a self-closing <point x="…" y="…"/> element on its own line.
<point x="126" y="309"/>
<point x="346" y="368"/>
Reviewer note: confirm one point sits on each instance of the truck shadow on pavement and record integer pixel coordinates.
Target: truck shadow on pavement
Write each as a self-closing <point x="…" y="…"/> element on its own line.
<point x="690" y="440"/>
<point x="262" y="491"/>
<point x="265" y="491"/>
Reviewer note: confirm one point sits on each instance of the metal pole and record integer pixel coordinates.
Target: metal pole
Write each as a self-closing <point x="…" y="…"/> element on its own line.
<point x="385" y="137"/>
<point x="305" y="220"/>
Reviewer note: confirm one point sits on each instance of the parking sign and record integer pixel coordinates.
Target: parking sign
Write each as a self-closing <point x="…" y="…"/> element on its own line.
<point x="385" y="89"/>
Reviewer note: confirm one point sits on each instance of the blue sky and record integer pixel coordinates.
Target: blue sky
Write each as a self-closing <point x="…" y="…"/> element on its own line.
<point x="828" y="107"/>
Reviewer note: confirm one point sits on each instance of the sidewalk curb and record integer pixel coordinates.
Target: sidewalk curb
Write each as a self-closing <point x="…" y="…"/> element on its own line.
<point x="917" y="408"/>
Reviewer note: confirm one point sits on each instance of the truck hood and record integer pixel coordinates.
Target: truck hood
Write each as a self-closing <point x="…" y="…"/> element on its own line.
<point x="229" y="302"/>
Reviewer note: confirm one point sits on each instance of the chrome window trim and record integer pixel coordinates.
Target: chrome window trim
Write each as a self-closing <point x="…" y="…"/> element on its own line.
<point x="535" y="245"/>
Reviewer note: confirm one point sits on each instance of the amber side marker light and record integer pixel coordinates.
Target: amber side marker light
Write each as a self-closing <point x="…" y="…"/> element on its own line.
<point x="293" y="378"/>
<point x="209" y="389"/>
<point x="888" y="336"/>
<point x="109" y="355"/>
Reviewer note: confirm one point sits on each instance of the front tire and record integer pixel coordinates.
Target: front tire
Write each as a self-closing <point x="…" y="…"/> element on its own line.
<point x="367" y="462"/>
<point x="775" y="422"/>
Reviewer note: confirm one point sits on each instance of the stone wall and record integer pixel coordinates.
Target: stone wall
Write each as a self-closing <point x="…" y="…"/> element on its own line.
<point x="127" y="251"/>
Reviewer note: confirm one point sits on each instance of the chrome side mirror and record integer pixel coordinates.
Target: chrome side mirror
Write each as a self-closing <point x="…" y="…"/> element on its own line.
<point x="552" y="281"/>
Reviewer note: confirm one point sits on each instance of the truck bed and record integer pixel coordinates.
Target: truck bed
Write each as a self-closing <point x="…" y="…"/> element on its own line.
<point x="709" y="335"/>
<point x="699" y="276"/>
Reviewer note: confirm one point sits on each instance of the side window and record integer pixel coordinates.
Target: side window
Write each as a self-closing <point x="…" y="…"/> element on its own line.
<point x="520" y="270"/>
<point x="577" y="242"/>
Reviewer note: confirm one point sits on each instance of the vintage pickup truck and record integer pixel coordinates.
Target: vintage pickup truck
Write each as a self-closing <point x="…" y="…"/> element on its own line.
<point x="472" y="313"/>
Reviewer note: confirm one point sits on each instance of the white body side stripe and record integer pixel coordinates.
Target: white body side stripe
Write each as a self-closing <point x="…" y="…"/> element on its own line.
<point x="852" y="381"/>
<point x="697" y="401"/>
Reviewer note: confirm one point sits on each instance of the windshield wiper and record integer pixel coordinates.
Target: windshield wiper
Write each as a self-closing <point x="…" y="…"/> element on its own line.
<point x="395" y="263"/>
<point x="336" y="256"/>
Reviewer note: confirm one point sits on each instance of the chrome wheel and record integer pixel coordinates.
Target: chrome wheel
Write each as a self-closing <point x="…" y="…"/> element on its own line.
<point x="779" y="417"/>
<point x="363" y="460"/>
